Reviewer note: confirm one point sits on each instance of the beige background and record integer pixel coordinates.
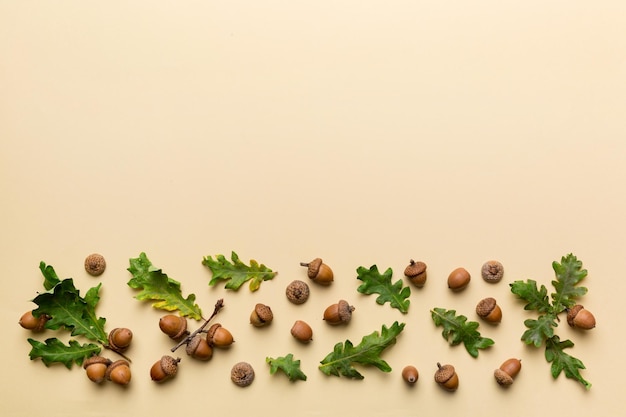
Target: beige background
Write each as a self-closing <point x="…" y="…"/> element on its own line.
<point x="363" y="132"/>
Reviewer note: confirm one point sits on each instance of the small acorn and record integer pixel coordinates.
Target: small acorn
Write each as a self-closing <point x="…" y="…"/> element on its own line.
<point x="30" y="322"/>
<point x="302" y="331"/>
<point x="297" y="292"/>
<point x="447" y="377"/>
<point x="261" y="315"/>
<point x="164" y="369"/>
<point x="120" y="338"/>
<point x="416" y="273"/>
<point x="410" y="374"/>
<point x="507" y="371"/>
<point x="458" y="279"/>
<point x="96" y="367"/>
<point x="339" y="313"/>
<point x="119" y="372"/>
<point x="199" y="348"/>
<point x="319" y="272"/>
<point x="489" y="310"/>
<point x="174" y="326"/>
<point x="580" y="318"/>
<point x="219" y="336"/>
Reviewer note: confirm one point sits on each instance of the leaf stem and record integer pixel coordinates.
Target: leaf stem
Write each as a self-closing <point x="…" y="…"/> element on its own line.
<point x="218" y="306"/>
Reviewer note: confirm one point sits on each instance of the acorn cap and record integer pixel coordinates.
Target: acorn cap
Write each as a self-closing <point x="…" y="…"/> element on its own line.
<point x="485" y="306"/>
<point x="414" y="268"/>
<point x="314" y="267"/>
<point x="297" y="292"/>
<point x="502" y="377"/>
<point x="169" y="365"/>
<point x="264" y="313"/>
<point x="572" y="312"/>
<point x="344" y="310"/>
<point x="96" y="359"/>
<point x="444" y="373"/>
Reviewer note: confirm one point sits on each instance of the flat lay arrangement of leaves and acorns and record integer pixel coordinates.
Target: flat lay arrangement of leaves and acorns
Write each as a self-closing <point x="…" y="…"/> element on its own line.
<point x="84" y="342"/>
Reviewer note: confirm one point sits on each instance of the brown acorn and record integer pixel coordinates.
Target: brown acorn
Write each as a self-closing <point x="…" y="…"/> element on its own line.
<point x="261" y="315"/>
<point x="489" y="310"/>
<point x="95" y="264"/>
<point x="447" y="377"/>
<point x="199" y="348"/>
<point x="458" y="279"/>
<point x="30" y="322"/>
<point x="120" y="338"/>
<point x="174" y="326"/>
<point x="339" y="313"/>
<point x="302" y="331"/>
<point x="580" y="318"/>
<point x="507" y="371"/>
<point x="119" y="372"/>
<point x="96" y="367"/>
<point x="219" y="336"/>
<point x="410" y="374"/>
<point x="416" y="273"/>
<point x="164" y="369"/>
<point x="319" y="272"/>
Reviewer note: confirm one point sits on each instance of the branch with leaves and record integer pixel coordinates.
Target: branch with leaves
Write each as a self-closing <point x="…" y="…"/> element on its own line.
<point x="66" y="309"/>
<point x="540" y="331"/>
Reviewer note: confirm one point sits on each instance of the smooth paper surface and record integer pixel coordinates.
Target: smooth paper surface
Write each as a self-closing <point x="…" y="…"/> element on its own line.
<point x="361" y="132"/>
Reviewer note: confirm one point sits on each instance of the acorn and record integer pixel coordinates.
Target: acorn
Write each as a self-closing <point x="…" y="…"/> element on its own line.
<point x="458" y="279"/>
<point x="410" y="374"/>
<point x="164" y="369"/>
<point x="302" y="331"/>
<point x="339" y="313"/>
<point x="492" y="271"/>
<point x="174" y="326"/>
<point x="580" y="318"/>
<point x="120" y="338"/>
<point x="489" y="310"/>
<point x="261" y="315"/>
<point x="119" y="372"/>
<point x="319" y="272"/>
<point x="96" y="367"/>
<point x="199" y="348"/>
<point x="219" y="336"/>
<point x="447" y="377"/>
<point x="416" y="273"/>
<point x="30" y="322"/>
<point x="507" y="371"/>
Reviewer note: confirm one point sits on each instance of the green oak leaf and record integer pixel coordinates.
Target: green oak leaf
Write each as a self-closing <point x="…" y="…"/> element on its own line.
<point x="286" y="364"/>
<point x="71" y="311"/>
<point x="536" y="299"/>
<point x="568" y="274"/>
<point x="54" y="351"/>
<point x="539" y="330"/>
<point x="457" y="330"/>
<point x="237" y="273"/>
<point x="156" y="286"/>
<point x="563" y="362"/>
<point x="340" y="361"/>
<point x="376" y="283"/>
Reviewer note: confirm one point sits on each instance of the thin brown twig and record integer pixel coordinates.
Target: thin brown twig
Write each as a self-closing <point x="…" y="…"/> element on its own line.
<point x="218" y="306"/>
